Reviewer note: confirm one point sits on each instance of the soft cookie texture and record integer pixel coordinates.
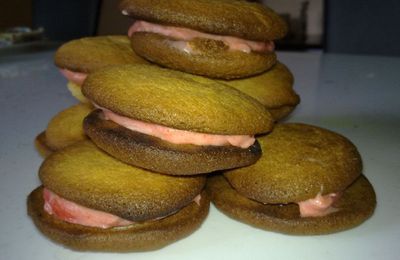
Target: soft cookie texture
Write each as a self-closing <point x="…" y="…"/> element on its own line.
<point x="355" y="206"/>
<point x="92" y="53"/>
<point x="299" y="162"/>
<point x="273" y="89"/>
<point x="139" y="236"/>
<point x="89" y="177"/>
<point x="209" y="57"/>
<point x="176" y="100"/>
<point x="161" y="156"/>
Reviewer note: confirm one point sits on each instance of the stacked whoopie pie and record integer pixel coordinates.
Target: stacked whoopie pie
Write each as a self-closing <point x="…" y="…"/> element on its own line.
<point x="75" y="60"/>
<point x="199" y="93"/>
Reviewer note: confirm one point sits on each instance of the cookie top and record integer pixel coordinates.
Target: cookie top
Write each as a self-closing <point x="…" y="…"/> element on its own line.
<point x="299" y="161"/>
<point x="273" y="89"/>
<point x="65" y="128"/>
<point x="177" y="100"/>
<point x="92" y="53"/>
<point x="87" y="176"/>
<point x="222" y="17"/>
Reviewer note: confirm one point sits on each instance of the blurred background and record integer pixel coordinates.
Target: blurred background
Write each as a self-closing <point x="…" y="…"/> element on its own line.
<point x="357" y="27"/>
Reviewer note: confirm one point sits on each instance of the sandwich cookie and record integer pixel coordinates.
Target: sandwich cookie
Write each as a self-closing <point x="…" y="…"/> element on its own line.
<point x="217" y="39"/>
<point x="77" y="58"/>
<point x="64" y="129"/>
<point x="273" y="89"/>
<point x="91" y="201"/>
<point x="173" y="122"/>
<point x="308" y="182"/>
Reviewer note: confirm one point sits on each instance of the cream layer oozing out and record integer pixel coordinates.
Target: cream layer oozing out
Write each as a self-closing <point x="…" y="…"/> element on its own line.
<point x="75" y="77"/>
<point x="185" y="34"/>
<point x="319" y="206"/>
<point x="71" y="212"/>
<point x="177" y="136"/>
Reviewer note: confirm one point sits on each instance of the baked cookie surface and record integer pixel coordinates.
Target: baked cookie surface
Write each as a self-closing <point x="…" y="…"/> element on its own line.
<point x="84" y="174"/>
<point x="299" y="162"/>
<point x="92" y="53"/>
<point x="273" y="89"/>
<point x="177" y="100"/>
<point x="65" y="128"/>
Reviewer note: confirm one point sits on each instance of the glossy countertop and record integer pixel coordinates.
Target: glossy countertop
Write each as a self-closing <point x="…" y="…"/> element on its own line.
<point x="357" y="96"/>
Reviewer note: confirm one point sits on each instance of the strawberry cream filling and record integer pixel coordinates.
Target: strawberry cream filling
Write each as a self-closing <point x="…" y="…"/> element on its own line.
<point x="71" y="212"/>
<point x="76" y="77"/>
<point x="185" y="35"/>
<point x="177" y="136"/>
<point x="319" y="206"/>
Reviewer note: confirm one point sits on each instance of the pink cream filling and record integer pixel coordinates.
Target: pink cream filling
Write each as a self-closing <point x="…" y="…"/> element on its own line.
<point x="186" y="34"/>
<point x="319" y="206"/>
<point x="177" y="136"/>
<point x="76" y="77"/>
<point x="71" y="212"/>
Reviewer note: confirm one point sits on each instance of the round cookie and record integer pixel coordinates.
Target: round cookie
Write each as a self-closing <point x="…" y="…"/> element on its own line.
<point x="89" y="177"/>
<point x="222" y="17"/>
<point x="273" y="89"/>
<point x="300" y="162"/>
<point x="160" y="156"/>
<point x="209" y="58"/>
<point x="308" y="181"/>
<point x="356" y="205"/>
<point x="65" y="128"/>
<point x="77" y="58"/>
<point x="177" y="100"/>
<point x="140" y="236"/>
<point x="173" y="122"/>
<point x="89" y="54"/>
<point x="210" y="38"/>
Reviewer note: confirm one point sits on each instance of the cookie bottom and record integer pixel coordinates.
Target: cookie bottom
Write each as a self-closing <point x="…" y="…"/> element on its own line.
<point x="140" y="236"/>
<point x="355" y="206"/>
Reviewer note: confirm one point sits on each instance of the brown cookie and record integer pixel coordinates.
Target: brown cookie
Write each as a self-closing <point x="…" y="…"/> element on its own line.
<point x="356" y="205"/>
<point x="157" y="155"/>
<point x="209" y="58"/>
<point x="85" y="175"/>
<point x="65" y="128"/>
<point x="299" y="161"/>
<point x="223" y="17"/>
<point x="218" y="39"/>
<point x="176" y="100"/>
<point x="92" y="53"/>
<point x="273" y="89"/>
<point x="139" y="236"/>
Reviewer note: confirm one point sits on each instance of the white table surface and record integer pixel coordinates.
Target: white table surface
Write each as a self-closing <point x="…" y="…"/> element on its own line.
<point x="357" y="96"/>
